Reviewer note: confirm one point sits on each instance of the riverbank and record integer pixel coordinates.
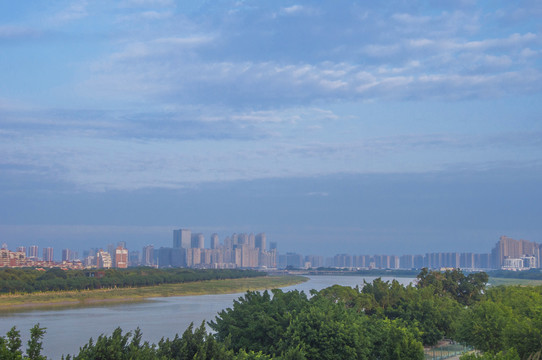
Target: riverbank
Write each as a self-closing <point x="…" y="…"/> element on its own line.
<point x="18" y="302"/>
<point x="493" y="281"/>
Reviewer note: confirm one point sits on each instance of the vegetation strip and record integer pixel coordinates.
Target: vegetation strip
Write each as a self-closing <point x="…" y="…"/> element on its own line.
<point x="92" y="297"/>
<point x="29" y="280"/>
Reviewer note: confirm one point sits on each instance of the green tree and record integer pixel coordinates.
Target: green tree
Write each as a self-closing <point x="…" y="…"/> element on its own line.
<point x="258" y="321"/>
<point x="117" y="347"/>
<point x="194" y="344"/>
<point x="325" y="330"/>
<point x="483" y="326"/>
<point x="35" y="346"/>
<point x="10" y="346"/>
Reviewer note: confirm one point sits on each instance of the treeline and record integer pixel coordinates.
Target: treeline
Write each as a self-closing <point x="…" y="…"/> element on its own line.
<point x="379" y="320"/>
<point x="55" y="279"/>
<point x="531" y="274"/>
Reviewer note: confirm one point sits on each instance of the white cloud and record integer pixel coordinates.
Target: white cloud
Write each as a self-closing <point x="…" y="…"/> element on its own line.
<point x="527" y="53"/>
<point x="76" y="10"/>
<point x="411" y="19"/>
<point x="146" y="15"/>
<point x="192" y="41"/>
<point x="292" y="9"/>
<point x="297" y="9"/>
<point x="165" y="73"/>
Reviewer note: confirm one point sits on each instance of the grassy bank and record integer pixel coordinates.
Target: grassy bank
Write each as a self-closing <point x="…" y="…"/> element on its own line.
<point x="91" y="297"/>
<point x="509" y="281"/>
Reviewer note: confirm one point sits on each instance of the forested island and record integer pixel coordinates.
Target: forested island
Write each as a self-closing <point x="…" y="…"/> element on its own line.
<point x="378" y="320"/>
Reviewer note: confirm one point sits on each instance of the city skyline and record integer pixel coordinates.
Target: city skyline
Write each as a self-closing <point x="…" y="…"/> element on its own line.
<point x="242" y="250"/>
<point x="357" y="127"/>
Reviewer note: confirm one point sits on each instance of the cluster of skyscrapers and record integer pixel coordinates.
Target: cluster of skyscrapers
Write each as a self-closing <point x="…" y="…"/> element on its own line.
<point x="251" y="251"/>
<point x="236" y="251"/>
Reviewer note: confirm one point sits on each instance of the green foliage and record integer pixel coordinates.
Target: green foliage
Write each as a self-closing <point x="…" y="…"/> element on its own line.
<point x="117" y="347"/>
<point x="196" y="345"/>
<point x="10" y="346"/>
<point x="326" y="331"/>
<point x="258" y="321"/>
<point x="290" y="326"/>
<point x="55" y="279"/>
<point x="483" y="326"/>
<point x="35" y="344"/>
<point x="509" y="319"/>
<point x="464" y="289"/>
<point x="428" y="315"/>
<point x="532" y="274"/>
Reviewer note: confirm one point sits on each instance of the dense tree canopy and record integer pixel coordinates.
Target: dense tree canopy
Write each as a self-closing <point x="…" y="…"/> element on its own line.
<point x="55" y="279"/>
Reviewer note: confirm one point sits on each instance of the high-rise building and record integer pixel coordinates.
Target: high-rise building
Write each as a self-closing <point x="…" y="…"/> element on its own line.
<point x="193" y="256"/>
<point x="482" y="261"/>
<point x="406" y="261"/>
<point x="111" y="248"/>
<point x="342" y="260"/>
<point x="228" y="243"/>
<point x="466" y="261"/>
<point x="48" y="254"/>
<point x="260" y="241"/>
<point x="315" y="261"/>
<point x="513" y="249"/>
<point x="134" y="258"/>
<point x="242" y="239"/>
<point x="148" y="255"/>
<point x="103" y="260"/>
<point x="33" y="252"/>
<point x="121" y="257"/>
<point x="198" y="241"/>
<point x="215" y="242"/>
<point x="182" y="238"/>
<point x="66" y="255"/>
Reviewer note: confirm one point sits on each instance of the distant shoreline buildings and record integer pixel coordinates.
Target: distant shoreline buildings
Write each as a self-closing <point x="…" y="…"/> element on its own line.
<point x="508" y="254"/>
<point x="251" y="252"/>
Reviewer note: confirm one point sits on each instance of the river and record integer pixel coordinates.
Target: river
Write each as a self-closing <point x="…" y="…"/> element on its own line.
<point x="70" y="328"/>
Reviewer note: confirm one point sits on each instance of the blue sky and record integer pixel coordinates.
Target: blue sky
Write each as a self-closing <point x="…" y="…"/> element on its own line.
<point x="365" y="127"/>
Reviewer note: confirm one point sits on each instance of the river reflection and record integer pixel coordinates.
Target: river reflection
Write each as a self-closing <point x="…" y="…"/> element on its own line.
<point x="68" y="329"/>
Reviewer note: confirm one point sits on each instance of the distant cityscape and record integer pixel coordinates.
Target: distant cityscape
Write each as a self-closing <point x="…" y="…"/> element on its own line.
<point x="251" y="251"/>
